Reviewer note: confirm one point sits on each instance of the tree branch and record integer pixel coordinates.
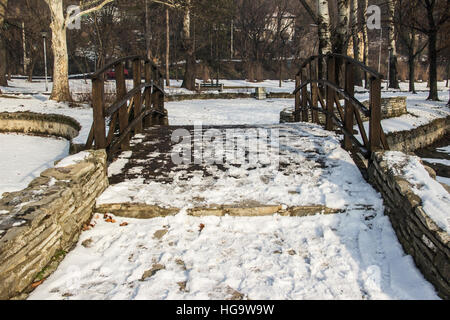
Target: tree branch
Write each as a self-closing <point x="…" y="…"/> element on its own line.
<point x="310" y="11"/>
<point x="96" y="8"/>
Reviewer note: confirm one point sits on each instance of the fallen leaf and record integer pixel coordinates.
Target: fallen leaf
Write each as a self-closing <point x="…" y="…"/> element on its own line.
<point x="36" y="284"/>
<point x="123" y="224"/>
<point x="201" y="226"/>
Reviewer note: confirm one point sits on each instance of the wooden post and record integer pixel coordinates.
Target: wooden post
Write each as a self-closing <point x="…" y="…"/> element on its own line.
<point x="121" y="91"/>
<point x="330" y="93"/>
<point x="137" y="96"/>
<point x="314" y="94"/>
<point x="297" y="100"/>
<point x="98" y="106"/>
<point x="148" y="95"/>
<point x="375" y="114"/>
<point x="349" y="108"/>
<point x="305" y="115"/>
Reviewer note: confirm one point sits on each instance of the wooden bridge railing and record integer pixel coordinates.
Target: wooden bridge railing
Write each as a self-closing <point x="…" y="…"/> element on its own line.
<point x="307" y="103"/>
<point x="132" y="110"/>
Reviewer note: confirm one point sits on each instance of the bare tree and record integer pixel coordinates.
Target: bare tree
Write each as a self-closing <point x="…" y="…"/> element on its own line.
<point x="58" y="26"/>
<point x="436" y="15"/>
<point x="393" y="79"/>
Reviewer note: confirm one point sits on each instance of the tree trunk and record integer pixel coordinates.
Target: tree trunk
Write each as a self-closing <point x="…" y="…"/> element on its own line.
<point x="167" y="48"/>
<point x="393" y="78"/>
<point x="60" y="91"/>
<point x="323" y="22"/>
<point x="340" y="41"/>
<point x="412" y="76"/>
<point x="3" y="80"/>
<point x="432" y="52"/>
<point x="189" y="74"/>
<point x="341" y="27"/>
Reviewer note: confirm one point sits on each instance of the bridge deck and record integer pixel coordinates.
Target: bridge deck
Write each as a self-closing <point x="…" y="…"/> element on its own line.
<point x="287" y="165"/>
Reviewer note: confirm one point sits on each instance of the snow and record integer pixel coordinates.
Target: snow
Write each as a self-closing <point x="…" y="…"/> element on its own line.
<point x="226" y="112"/>
<point x="303" y="165"/>
<point x="351" y="255"/>
<point x="23" y="158"/>
<point x="346" y="256"/>
<point x="73" y="159"/>
<point x="435" y="199"/>
<point x="444" y="149"/>
<point x="443" y="180"/>
<point x="445" y="162"/>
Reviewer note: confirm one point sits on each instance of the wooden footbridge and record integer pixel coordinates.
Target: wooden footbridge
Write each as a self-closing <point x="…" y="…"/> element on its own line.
<point x="143" y="106"/>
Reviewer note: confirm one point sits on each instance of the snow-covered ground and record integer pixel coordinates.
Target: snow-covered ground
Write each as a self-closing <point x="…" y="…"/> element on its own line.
<point x="226" y="112"/>
<point x="351" y="255"/>
<point x="347" y="256"/>
<point x="23" y="158"/>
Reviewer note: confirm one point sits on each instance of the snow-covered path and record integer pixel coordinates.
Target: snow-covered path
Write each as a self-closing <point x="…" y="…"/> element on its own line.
<point x="346" y="256"/>
<point x="351" y="255"/>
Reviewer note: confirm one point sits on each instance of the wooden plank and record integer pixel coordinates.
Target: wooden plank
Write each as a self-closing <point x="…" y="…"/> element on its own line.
<point x="305" y="113"/>
<point x="148" y="94"/>
<point x="98" y="92"/>
<point x="362" y="130"/>
<point x="137" y="96"/>
<point x="330" y="93"/>
<point x="375" y="115"/>
<point x="349" y="109"/>
<point x="121" y="90"/>
<point x="314" y="89"/>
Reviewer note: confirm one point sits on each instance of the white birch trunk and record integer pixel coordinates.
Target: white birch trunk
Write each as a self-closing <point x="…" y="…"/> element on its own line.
<point x="324" y="27"/>
<point x="342" y="26"/>
<point x="393" y="80"/>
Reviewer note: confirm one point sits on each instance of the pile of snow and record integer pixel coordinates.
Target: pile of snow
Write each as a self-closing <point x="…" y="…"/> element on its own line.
<point x="435" y="199"/>
<point x="73" y="159"/>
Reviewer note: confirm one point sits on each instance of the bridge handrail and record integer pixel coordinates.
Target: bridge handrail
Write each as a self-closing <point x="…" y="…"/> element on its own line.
<point x="365" y="68"/>
<point x="112" y="64"/>
<point x="132" y="110"/>
<point x="308" y="101"/>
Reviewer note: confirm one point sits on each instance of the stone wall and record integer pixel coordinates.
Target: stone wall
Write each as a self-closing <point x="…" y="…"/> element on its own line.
<point x="39" y="123"/>
<point x="39" y="224"/>
<point x="390" y="108"/>
<point x="419" y="235"/>
<point x="419" y="137"/>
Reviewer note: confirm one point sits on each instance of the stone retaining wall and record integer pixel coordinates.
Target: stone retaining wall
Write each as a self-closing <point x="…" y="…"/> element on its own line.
<point x="417" y="138"/>
<point x="39" y="123"/>
<point x="39" y="224"/>
<point x="419" y="235"/>
<point x="390" y="108"/>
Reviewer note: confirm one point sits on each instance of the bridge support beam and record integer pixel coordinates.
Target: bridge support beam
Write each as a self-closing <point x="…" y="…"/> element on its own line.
<point x="297" y="100"/>
<point x="137" y="96"/>
<point x="330" y="93"/>
<point x="121" y="91"/>
<point x="349" y="108"/>
<point x="375" y="115"/>
<point x="98" y="93"/>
